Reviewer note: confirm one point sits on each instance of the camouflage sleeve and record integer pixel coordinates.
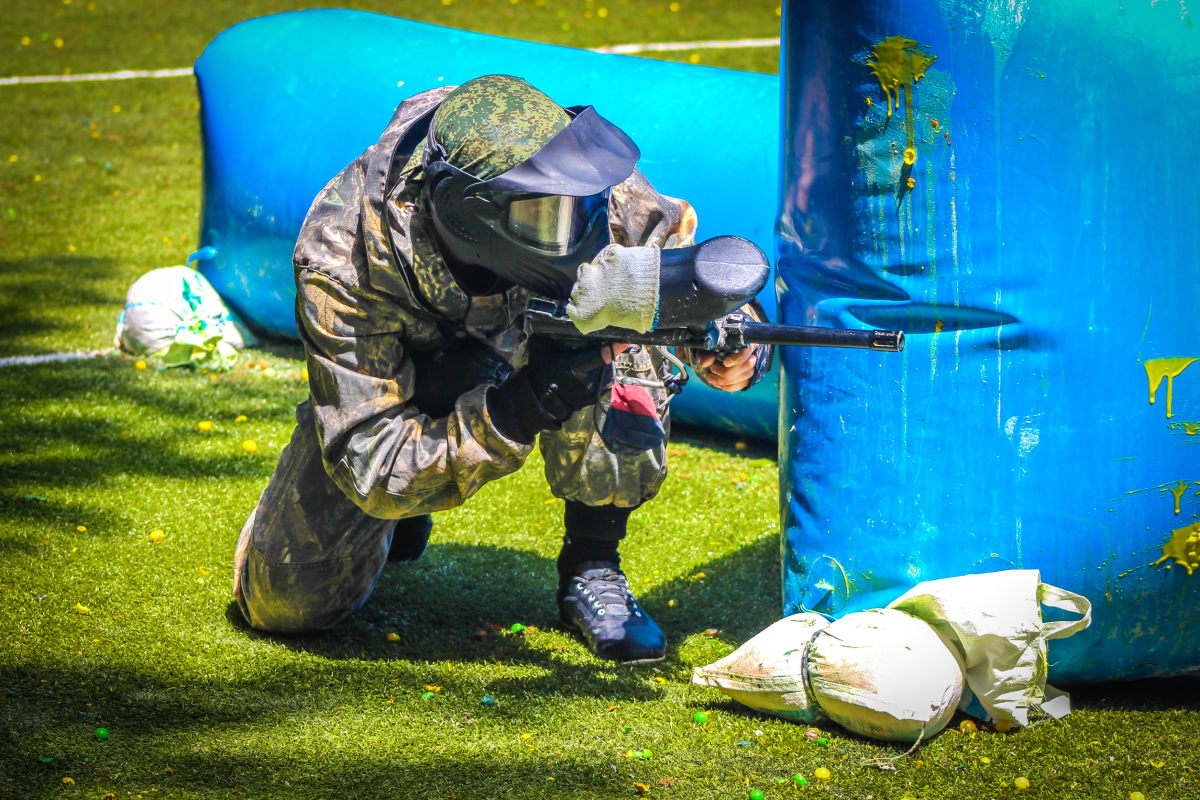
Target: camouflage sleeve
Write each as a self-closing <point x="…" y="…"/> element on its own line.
<point x="638" y="215"/>
<point x="389" y="458"/>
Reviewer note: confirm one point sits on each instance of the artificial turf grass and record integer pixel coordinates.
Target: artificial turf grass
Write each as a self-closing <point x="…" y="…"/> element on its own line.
<point x="182" y="685"/>
<point x="152" y="34"/>
<point x="95" y="198"/>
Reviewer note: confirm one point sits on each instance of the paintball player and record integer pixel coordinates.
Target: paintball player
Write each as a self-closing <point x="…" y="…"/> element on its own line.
<point x="413" y="267"/>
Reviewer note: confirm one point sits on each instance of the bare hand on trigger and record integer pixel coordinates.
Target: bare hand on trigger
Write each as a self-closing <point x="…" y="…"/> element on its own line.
<point x="731" y="373"/>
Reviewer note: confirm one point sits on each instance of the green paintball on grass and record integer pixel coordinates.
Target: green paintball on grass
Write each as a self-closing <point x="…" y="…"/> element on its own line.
<point x="105" y="186"/>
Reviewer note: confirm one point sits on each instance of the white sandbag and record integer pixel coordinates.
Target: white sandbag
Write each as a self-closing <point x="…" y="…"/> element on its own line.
<point x="886" y="675"/>
<point x="175" y="314"/>
<point x="976" y="642"/>
<point x="767" y="672"/>
<point x="994" y="621"/>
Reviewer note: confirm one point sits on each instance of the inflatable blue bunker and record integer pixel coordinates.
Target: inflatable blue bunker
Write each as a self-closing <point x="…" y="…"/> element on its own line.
<point x="1013" y="185"/>
<point x="279" y="123"/>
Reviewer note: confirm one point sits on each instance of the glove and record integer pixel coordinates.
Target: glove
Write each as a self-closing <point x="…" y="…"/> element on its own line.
<point x="542" y="395"/>
<point x="618" y="288"/>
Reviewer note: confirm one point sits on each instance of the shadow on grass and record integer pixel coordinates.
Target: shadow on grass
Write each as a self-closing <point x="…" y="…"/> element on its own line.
<point x="28" y="288"/>
<point x="81" y="423"/>
<point x="436" y="604"/>
<point x="284" y="348"/>
<point x="1157" y="694"/>
<point x="441" y="604"/>
<point x="382" y="770"/>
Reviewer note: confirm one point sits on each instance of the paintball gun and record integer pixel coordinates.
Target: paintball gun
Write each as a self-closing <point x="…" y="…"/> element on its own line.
<point x="701" y="289"/>
<point x="728" y="334"/>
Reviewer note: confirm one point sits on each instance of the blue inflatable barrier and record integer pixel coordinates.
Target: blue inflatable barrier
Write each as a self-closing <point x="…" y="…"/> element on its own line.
<point x="1012" y="185"/>
<point x="289" y="100"/>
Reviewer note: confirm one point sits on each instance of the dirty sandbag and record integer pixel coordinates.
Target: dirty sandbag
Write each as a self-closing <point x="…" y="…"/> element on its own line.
<point x="994" y="622"/>
<point x="175" y="315"/>
<point x="976" y="642"/>
<point x="879" y="673"/>
<point x="767" y="672"/>
<point x="884" y="674"/>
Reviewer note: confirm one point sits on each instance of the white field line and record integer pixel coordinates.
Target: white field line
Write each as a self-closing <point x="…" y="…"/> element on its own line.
<point x="120" y="75"/>
<point x="178" y="72"/>
<point x="46" y="358"/>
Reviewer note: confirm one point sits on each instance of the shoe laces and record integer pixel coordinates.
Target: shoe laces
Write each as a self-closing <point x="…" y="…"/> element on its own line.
<point x="607" y="589"/>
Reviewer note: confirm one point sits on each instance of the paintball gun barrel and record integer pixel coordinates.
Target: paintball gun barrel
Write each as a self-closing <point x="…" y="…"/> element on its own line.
<point x="728" y="334"/>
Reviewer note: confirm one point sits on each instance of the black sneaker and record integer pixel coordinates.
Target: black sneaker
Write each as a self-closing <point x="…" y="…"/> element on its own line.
<point x="596" y="602"/>
<point x="409" y="538"/>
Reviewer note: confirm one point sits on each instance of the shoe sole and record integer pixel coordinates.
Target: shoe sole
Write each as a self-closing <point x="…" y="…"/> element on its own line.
<point x="637" y="662"/>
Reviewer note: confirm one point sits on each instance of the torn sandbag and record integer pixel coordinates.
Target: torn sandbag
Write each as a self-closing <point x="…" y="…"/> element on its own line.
<point x="900" y="673"/>
<point x="995" y="623"/>
<point x="175" y="315"/>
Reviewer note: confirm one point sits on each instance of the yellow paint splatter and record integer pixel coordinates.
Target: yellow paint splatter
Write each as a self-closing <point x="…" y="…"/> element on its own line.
<point x="1178" y="492"/>
<point x="1191" y="428"/>
<point x="899" y="63"/>
<point x="1169" y="368"/>
<point x="911" y="182"/>
<point x="1184" y="547"/>
<point x="937" y="326"/>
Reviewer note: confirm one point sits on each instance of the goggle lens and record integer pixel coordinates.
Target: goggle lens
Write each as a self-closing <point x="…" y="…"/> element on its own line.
<point x="554" y="223"/>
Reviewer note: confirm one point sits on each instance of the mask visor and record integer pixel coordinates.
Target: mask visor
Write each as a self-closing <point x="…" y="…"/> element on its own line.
<point x="553" y="223"/>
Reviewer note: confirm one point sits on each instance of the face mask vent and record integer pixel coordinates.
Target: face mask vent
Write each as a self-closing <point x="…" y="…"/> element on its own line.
<point x="447" y="201"/>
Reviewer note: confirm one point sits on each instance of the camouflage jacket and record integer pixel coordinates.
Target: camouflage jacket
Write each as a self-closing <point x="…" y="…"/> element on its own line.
<point x="372" y="292"/>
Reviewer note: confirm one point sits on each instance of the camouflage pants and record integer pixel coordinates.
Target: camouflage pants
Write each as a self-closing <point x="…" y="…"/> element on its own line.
<point x="308" y="556"/>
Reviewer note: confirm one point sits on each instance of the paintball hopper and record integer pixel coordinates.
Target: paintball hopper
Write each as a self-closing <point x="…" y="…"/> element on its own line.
<point x="706" y="281"/>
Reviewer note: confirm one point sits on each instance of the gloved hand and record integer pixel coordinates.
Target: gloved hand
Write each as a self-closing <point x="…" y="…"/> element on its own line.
<point x="618" y="288"/>
<point x="545" y="392"/>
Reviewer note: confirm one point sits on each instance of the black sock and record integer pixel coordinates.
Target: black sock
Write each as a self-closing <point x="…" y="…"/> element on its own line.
<point x="593" y="534"/>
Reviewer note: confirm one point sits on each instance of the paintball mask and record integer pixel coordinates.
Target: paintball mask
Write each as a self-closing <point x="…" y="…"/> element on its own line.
<point x="534" y="224"/>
